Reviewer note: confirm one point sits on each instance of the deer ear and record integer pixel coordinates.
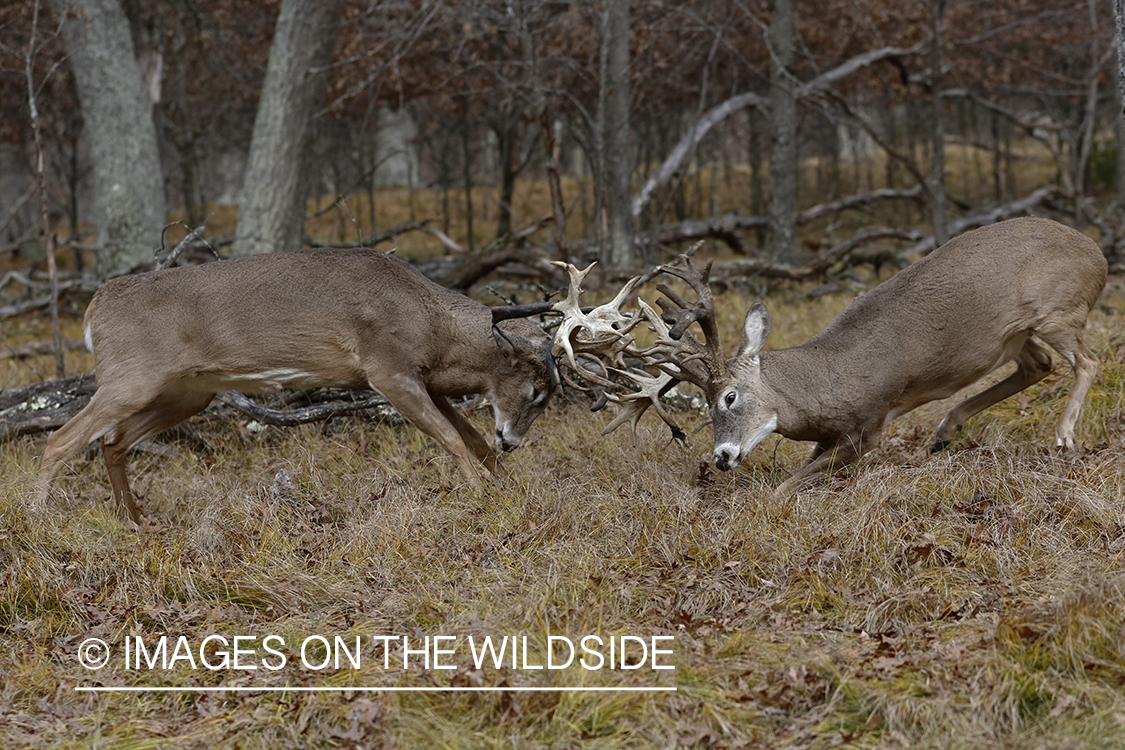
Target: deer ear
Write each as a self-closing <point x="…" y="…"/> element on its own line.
<point x="513" y="344"/>
<point x="755" y="331"/>
<point x="502" y="340"/>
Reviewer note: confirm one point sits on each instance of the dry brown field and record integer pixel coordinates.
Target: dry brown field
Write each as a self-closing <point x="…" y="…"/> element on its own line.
<point x="973" y="598"/>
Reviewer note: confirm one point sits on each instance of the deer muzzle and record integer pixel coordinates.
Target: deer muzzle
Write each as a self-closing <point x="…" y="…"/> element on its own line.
<point x="727" y="457"/>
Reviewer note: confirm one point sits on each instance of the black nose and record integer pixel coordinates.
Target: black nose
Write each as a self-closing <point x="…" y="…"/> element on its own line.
<point x="504" y="444"/>
<point x="723" y="460"/>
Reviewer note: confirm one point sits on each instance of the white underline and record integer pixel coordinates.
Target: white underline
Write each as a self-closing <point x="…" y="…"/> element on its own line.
<point x="305" y="689"/>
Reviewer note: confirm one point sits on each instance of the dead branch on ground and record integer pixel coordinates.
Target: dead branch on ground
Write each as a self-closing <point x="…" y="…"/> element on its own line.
<point x="41" y="407"/>
<point x="834" y="260"/>
<point x="847" y="253"/>
<point x="461" y="273"/>
<point x="31" y="409"/>
<point x="315" y="413"/>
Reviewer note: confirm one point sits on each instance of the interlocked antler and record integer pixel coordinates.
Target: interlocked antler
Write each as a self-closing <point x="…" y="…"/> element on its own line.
<point x="606" y="335"/>
<point x="684" y="347"/>
<point x="602" y="332"/>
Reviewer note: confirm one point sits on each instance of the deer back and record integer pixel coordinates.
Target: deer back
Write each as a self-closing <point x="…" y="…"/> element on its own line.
<point x="301" y="319"/>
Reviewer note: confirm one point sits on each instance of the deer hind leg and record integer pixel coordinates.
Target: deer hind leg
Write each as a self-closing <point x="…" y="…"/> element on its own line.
<point x="166" y="410"/>
<point x="469" y="435"/>
<point x="827" y="457"/>
<point x="1068" y="342"/>
<point x="105" y="410"/>
<point x="1033" y="363"/>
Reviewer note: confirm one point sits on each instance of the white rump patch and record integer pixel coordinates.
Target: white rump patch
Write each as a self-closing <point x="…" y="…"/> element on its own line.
<point x="89" y="339"/>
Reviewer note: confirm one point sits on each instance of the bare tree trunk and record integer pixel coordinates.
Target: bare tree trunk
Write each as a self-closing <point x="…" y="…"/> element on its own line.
<point x="598" y="160"/>
<point x="275" y="186"/>
<point x="129" y="207"/>
<point x="547" y="128"/>
<point x="467" y="174"/>
<point x="937" y="178"/>
<point x="622" y="227"/>
<point x="558" y="208"/>
<point x="783" y="125"/>
<point x="997" y="162"/>
<point x="1011" y="188"/>
<point x="507" y="139"/>
<point x="44" y="206"/>
<point x="1119" y="18"/>
<point x="1081" y="154"/>
<point x="756" y="202"/>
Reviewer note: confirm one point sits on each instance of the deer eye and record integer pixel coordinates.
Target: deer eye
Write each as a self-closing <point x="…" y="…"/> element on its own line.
<point x="730" y="398"/>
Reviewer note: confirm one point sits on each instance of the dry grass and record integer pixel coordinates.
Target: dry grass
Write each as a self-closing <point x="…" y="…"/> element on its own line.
<point x="969" y="599"/>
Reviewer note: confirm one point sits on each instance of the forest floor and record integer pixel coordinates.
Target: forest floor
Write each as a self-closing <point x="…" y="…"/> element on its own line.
<point x="973" y="598"/>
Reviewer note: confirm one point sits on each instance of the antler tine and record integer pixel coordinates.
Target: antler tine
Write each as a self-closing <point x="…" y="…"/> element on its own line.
<point x="681" y="314"/>
<point x="704" y="309"/>
<point x="666" y="354"/>
<point x="605" y="336"/>
<point x="635" y="404"/>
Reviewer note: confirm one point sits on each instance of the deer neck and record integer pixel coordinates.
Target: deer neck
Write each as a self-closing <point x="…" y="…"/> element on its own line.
<point x="800" y="385"/>
<point x="466" y="356"/>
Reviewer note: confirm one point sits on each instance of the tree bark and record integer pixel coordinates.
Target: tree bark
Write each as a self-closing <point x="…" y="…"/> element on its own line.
<point x="507" y="141"/>
<point x="937" y="178"/>
<point x="129" y="207"/>
<point x="1090" y="112"/>
<point x="467" y="176"/>
<point x="783" y="125"/>
<point x="622" y="226"/>
<point x="1119" y="18"/>
<point x="275" y="185"/>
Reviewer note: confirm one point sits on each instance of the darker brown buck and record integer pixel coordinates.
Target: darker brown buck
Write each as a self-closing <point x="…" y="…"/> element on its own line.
<point x="999" y="293"/>
<point x="165" y="343"/>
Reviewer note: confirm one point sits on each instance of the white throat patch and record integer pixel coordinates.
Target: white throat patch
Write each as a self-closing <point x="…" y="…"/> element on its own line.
<point x="765" y="430"/>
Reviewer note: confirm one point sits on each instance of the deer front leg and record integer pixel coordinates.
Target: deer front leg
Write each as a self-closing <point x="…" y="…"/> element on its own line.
<point x="473" y="439"/>
<point x="827" y="457"/>
<point x="413" y="401"/>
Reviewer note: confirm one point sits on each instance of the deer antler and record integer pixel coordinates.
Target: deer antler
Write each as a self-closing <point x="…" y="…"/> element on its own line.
<point x="602" y="331"/>
<point x="606" y="334"/>
<point x="681" y="315"/>
<point x="635" y="404"/>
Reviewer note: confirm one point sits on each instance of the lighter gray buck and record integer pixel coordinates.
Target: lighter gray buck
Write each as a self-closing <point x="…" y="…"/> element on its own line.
<point x="990" y="296"/>
<point x="166" y="342"/>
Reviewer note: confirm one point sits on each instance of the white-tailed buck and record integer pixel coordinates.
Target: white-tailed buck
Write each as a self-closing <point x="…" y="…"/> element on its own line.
<point x="990" y="296"/>
<point x="166" y="342"/>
